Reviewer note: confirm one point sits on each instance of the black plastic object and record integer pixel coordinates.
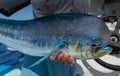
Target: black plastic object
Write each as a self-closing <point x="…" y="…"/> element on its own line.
<point x="9" y="7"/>
<point x="107" y="65"/>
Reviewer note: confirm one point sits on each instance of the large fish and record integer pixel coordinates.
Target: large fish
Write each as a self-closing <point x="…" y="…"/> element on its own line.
<point x="85" y="36"/>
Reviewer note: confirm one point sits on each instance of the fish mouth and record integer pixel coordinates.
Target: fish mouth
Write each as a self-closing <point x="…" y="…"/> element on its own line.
<point x="106" y="46"/>
<point x="103" y="49"/>
<point x="107" y="49"/>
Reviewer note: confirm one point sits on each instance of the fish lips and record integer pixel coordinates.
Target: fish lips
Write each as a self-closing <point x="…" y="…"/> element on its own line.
<point x="104" y="51"/>
<point x="105" y="47"/>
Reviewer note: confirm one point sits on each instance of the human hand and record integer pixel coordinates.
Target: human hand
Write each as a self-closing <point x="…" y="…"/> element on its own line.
<point x="63" y="57"/>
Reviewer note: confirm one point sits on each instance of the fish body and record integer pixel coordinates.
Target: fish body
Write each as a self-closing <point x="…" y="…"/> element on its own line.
<point x="85" y="36"/>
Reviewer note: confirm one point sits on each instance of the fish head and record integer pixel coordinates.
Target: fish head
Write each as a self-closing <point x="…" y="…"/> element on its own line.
<point x="89" y="48"/>
<point x="99" y="37"/>
<point x="91" y="38"/>
<point x="99" y="48"/>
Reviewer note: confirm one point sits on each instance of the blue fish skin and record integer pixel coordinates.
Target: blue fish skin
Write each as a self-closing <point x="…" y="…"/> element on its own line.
<point x="39" y="37"/>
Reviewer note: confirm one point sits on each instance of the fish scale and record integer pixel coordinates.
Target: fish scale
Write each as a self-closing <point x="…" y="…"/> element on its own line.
<point x="47" y="35"/>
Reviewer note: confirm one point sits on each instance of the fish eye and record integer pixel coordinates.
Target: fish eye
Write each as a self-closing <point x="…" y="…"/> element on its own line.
<point x="94" y="45"/>
<point x="114" y="39"/>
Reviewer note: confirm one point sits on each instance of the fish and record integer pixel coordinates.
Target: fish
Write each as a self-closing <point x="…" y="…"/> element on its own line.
<point x="84" y="36"/>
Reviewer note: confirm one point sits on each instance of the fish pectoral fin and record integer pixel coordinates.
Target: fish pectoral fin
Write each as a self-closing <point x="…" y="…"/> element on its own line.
<point x="55" y="51"/>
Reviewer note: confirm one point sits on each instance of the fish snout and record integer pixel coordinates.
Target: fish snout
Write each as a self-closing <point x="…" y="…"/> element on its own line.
<point x="101" y="49"/>
<point x="102" y="52"/>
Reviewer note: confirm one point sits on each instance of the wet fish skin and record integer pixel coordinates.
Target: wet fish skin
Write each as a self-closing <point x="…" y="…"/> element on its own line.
<point x="41" y="36"/>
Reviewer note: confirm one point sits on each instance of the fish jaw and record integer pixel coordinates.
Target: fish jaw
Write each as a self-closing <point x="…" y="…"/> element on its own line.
<point x="102" y="52"/>
<point x="102" y="49"/>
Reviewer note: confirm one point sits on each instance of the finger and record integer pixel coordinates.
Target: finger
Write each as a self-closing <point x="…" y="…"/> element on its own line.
<point x="71" y="60"/>
<point x="65" y="57"/>
<point x="64" y="60"/>
<point x="53" y="57"/>
<point x="59" y="57"/>
<point x="65" y="54"/>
